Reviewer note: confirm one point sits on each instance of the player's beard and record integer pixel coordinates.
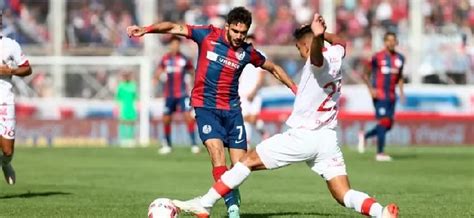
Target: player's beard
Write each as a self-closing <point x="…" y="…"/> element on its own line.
<point x="233" y="42"/>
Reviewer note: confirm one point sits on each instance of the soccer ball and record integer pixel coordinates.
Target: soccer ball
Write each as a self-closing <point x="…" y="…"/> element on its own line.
<point x="162" y="207"/>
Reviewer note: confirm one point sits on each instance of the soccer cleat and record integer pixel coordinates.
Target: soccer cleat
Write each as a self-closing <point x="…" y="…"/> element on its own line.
<point x="195" y="149"/>
<point x="390" y="211"/>
<point x="193" y="206"/>
<point x="383" y="157"/>
<point x="361" y="145"/>
<point x="233" y="211"/>
<point x="164" y="150"/>
<point x="9" y="174"/>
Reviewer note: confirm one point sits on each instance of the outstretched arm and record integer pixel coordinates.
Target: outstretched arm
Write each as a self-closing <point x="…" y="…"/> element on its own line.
<point x="161" y="27"/>
<point x="20" y="71"/>
<point x="280" y="74"/>
<point x="318" y="27"/>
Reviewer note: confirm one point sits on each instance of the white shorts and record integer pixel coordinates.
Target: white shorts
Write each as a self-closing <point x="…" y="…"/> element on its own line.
<point x="250" y="107"/>
<point x="7" y="121"/>
<point x="318" y="148"/>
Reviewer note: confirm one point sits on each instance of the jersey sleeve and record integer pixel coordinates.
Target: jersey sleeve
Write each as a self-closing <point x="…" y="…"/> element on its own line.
<point x="198" y="33"/>
<point x="339" y="50"/>
<point x="373" y="64"/>
<point x="403" y="65"/>
<point x="257" y="58"/>
<point x="18" y="55"/>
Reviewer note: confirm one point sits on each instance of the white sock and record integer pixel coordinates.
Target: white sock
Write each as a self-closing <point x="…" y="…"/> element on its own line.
<point x="231" y="178"/>
<point x="354" y="199"/>
<point x="248" y="131"/>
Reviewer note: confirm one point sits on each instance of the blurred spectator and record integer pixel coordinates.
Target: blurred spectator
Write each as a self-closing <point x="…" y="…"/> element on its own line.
<point x="25" y="21"/>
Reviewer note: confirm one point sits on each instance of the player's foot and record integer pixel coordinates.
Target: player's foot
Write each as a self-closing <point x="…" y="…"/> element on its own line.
<point x="193" y="206"/>
<point x="361" y="145"/>
<point x="383" y="157"/>
<point x="165" y="150"/>
<point x="390" y="211"/>
<point x="9" y="173"/>
<point x="195" y="149"/>
<point x="233" y="211"/>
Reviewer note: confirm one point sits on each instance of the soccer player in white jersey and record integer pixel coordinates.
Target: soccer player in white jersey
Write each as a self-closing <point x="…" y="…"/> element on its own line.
<point x="250" y="82"/>
<point x="312" y="137"/>
<point x="14" y="63"/>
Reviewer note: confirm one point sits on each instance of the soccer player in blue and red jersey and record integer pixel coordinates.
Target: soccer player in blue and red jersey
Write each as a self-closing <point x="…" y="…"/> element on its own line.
<point x="223" y="54"/>
<point x="176" y="65"/>
<point x="383" y="75"/>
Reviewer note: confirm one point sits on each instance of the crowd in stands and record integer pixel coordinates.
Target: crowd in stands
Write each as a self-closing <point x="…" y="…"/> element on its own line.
<point x="449" y="27"/>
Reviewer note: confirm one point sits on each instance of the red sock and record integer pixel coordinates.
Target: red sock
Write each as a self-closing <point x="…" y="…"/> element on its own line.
<point x="217" y="172"/>
<point x="366" y="205"/>
<point x="191" y="127"/>
<point x="167" y="129"/>
<point x="221" y="188"/>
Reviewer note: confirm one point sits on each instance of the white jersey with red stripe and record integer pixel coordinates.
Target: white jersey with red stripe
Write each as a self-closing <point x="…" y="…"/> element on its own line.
<point x="319" y="89"/>
<point x="12" y="56"/>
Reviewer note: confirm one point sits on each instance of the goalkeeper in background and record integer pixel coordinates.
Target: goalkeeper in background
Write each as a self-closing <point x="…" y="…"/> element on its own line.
<point x="126" y="98"/>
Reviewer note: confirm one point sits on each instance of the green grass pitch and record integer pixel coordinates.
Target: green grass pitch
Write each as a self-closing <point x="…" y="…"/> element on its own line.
<point x="114" y="182"/>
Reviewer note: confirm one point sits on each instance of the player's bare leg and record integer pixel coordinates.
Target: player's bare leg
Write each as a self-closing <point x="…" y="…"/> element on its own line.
<point x="7" y="150"/>
<point x="190" y="122"/>
<point x="340" y="189"/>
<point x="216" y="150"/>
<point x="166" y="146"/>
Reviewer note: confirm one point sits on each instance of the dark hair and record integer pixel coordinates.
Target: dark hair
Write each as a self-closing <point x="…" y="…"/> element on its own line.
<point x="302" y="31"/>
<point x="239" y="15"/>
<point x="387" y="34"/>
<point x="174" y="38"/>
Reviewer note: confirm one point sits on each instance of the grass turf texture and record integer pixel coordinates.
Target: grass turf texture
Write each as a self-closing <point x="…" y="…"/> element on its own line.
<point x="113" y="182"/>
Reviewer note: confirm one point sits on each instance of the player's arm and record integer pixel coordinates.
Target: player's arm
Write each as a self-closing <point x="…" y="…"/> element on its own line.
<point x="158" y="73"/>
<point x="161" y="27"/>
<point x="21" y="71"/>
<point x="316" y="53"/>
<point x="280" y="74"/>
<point x="401" y="82"/>
<point x="334" y="39"/>
<point x="366" y="77"/>
<point x="402" y="93"/>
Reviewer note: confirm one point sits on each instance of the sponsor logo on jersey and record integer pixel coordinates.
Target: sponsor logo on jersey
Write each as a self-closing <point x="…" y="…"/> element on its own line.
<point x="212" y="56"/>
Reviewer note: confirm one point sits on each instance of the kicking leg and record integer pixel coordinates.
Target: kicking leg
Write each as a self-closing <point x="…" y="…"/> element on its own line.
<point x="228" y="181"/>
<point x="361" y="202"/>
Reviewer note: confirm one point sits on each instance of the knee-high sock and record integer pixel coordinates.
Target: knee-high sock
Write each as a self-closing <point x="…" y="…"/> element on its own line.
<point x="191" y="132"/>
<point x="381" y="132"/>
<point x="4" y="160"/>
<point x="362" y="203"/>
<point x="231" y="198"/>
<point x="167" y="131"/>
<point x="228" y="181"/>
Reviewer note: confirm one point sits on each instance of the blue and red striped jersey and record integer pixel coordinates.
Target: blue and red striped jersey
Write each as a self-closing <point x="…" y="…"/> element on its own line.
<point x="387" y="69"/>
<point x="176" y="66"/>
<point x="219" y="67"/>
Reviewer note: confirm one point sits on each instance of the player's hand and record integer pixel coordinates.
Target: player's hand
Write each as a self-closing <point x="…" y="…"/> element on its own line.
<point x="402" y="98"/>
<point x="135" y="31"/>
<point x="251" y="96"/>
<point x="5" y="70"/>
<point x="373" y="93"/>
<point x="318" y="25"/>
